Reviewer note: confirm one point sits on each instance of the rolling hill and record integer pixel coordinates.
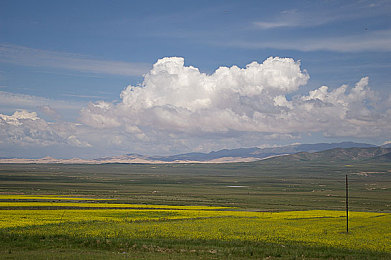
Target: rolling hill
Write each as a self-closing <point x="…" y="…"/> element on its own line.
<point x="354" y="154"/>
<point x="298" y="152"/>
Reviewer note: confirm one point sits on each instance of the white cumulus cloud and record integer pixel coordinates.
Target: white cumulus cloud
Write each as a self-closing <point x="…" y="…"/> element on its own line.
<point x="175" y="99"/>
<point x="179" y="109"/>
<point x="26" y="128"/>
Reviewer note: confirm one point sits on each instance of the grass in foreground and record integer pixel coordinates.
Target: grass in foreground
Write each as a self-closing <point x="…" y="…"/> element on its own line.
<point x="193" y="232"/>
<point x="71" y="216"/>
<point x="68" y="248"/>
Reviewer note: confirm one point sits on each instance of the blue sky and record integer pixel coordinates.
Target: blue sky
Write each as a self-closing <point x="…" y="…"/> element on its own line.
<point x="59" y="58"/>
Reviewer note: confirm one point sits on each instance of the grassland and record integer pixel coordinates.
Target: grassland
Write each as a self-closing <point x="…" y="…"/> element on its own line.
<point x="181" y="211"/>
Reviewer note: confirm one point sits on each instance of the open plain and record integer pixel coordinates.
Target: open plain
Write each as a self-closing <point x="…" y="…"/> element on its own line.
<point x="266" y="209"/>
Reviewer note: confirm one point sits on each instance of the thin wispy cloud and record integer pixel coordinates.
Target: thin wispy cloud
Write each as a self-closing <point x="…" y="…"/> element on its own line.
<point x="30" y="101"/>
<point x="84" y="96"/>
<point x="377" y="41"/>
<point x="25" y="56"/>
<point x="271" y="25"/>
<point x="52" y="108"/>
<point x="318" y="17"/>
<point x="294" y="18"/>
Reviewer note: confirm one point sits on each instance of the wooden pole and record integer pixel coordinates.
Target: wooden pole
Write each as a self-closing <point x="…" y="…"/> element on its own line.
<point x="347" y="205"/>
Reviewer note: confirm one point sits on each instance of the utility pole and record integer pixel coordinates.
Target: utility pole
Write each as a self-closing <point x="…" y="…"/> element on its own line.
<point x="347" y="205"/>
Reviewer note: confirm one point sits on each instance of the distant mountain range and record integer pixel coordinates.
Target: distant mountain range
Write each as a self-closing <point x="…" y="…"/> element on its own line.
<point x="299" y="152"/>
<point x="261" y="153"/>
<point x="372" y="154"/>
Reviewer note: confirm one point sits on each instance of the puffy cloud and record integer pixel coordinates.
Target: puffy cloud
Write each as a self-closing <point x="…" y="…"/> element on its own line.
<point x="178" y="109"/>
<point x="341" y="112"/>
<point x="101" y="115"/>
<point x="18" y="117"/>
<point x="49" y="111"/>
<point x="178" y="99"/>
<point x="26" y="128"/>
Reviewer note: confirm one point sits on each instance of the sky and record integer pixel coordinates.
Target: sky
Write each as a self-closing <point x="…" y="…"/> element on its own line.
<point x="97" y="78"/>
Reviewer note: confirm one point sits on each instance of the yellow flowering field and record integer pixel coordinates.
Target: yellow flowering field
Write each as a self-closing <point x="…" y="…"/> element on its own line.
<point x="46" y="197"/>
<point x="102" y="205"/>
<point x="10" y="201"/>
<point x="368" y="231"/>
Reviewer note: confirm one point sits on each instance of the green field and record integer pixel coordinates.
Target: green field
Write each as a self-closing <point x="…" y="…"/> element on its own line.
<point x="195" y="211"/>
